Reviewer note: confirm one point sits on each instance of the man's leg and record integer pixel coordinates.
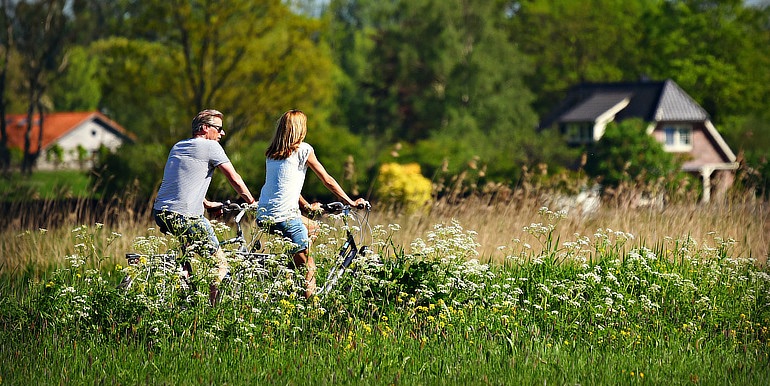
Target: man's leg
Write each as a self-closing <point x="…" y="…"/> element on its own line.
<point x="222" y="269"/>
<point x="203" y="232"/>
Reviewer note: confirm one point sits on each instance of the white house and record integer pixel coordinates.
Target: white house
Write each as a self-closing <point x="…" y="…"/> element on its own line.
<point x="679" y="123"/>
<point x="70" y="139"/>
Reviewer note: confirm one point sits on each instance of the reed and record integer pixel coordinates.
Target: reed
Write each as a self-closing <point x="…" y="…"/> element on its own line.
<point x="498" y="221"/>
<point x="37" y="233"/>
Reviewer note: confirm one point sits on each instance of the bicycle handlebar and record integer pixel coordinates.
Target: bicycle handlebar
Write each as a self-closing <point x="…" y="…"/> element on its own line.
<point x="338" y="207"/>
<point x="332" y="207"/>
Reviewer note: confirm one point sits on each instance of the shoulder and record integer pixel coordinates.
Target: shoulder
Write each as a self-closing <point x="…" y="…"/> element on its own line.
<point x="305" y="148"/>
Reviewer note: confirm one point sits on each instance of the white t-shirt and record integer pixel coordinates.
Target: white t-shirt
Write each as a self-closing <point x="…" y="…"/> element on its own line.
<point x="279" y="198"/>
<point x="187" y="175"/>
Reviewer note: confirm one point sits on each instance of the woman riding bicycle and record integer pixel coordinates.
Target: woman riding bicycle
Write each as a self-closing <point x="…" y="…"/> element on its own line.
<point x="288" y="158"/>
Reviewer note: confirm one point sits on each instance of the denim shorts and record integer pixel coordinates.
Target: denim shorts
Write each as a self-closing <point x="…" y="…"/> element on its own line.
<point x="296" y="231"/>
<point x="189" y="229"/>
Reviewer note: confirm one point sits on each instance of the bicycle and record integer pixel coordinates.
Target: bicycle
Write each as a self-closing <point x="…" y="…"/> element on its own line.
<point x="156" y="271"/>
<point x="247" y="264"/>
<point x="246" y="279"/>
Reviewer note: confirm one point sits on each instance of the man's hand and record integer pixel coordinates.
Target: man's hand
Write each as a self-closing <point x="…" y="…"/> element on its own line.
<point x="214" y="209"/>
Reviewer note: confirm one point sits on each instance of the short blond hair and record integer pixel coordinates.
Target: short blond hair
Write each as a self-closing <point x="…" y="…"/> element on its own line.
<point x="290" y="131"/>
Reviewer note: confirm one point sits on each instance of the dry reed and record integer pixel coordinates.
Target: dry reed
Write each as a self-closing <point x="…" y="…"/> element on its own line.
<point x="497" y="213"/>
<point x="499" y="222"/>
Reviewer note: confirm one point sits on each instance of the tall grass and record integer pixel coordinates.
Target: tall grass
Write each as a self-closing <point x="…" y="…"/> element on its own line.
<point x="500" y="221"/>
<point x="36" y="237"/>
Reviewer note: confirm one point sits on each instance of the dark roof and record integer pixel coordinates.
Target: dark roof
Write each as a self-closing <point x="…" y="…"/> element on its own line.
<point x="650" y="101"/>
<point x="596" y="105"/>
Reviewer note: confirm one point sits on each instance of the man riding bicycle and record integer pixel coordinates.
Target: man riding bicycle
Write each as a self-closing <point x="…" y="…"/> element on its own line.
<point x="181" y="200"/>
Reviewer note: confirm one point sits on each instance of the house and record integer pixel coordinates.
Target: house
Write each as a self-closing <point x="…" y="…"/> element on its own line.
<point x="675" y="120"/>
<point x="75" y="136"/>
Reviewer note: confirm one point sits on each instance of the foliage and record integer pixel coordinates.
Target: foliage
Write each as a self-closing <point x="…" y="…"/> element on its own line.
<point x="437" y="75"/>
<point x="403" y="186"/>
<point x="451" y="81"/>
<point x="750" y="137"/>
<point x="236" y="57"/>
<point x="79" y="88"/>
<point x="573" y="42"/>
<point x="713" y="50"/>
<point x="134" y="171"/>
<point x="134" y="93"/>
<point x="626" y="152"/>
<point x="40" y="46"/>
<point x="55" y="155"/>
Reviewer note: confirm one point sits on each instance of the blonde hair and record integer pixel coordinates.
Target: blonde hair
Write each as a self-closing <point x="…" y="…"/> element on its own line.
<point x="289" y="133"/>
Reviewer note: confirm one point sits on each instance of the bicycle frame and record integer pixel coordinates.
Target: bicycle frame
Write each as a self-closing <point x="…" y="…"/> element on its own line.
<point x="170" y="261"/>
<point x="348" y="252"/>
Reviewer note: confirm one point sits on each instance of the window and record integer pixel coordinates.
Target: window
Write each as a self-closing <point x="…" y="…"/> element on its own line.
<point x="678" y="138"/>
<point x="579" y="132"/>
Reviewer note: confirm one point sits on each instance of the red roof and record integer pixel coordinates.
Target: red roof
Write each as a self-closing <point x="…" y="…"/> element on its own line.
<point x="55" y="126"/>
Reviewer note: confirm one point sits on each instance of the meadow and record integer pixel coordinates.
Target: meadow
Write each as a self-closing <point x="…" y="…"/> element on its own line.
<point x="478" y="291"/>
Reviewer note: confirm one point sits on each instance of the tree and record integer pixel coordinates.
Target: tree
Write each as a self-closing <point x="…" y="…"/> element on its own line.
<point x="440" y="75"/>
<point x="577" y="41"/>
<point x="6" y="41"/>
<point x="252" y="60"/>
<point x="78" y="88"/>
<point x="39" y="35"/>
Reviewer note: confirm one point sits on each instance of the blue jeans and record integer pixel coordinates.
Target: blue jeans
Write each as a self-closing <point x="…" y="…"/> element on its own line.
<point x="191" y="230"/>
<point x="295" y="230"/>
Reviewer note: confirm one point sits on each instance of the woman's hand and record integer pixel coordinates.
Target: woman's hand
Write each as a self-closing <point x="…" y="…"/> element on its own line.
<point x="361" y="203"/>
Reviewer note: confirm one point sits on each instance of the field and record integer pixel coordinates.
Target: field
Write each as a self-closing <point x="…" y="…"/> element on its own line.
<point x="469" y="293"/>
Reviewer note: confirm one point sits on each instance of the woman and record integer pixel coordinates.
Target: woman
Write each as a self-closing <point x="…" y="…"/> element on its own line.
<point x="288" y="158"/>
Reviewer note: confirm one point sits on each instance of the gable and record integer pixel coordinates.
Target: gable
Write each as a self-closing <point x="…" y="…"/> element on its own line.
<point x="675" y="105"/>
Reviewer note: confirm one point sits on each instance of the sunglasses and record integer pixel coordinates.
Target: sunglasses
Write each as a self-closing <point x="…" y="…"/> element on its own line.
<point x="219" y="128"/>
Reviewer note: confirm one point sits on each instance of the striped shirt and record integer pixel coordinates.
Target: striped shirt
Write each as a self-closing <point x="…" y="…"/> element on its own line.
<point x="187" y="175"/>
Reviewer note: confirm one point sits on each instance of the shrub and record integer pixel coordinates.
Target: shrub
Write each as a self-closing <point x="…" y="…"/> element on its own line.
<point x="626" y="153"/>
<point x="403" y="186"/>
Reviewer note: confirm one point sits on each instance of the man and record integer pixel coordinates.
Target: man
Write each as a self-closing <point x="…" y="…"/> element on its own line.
<point x="181" y="199"/>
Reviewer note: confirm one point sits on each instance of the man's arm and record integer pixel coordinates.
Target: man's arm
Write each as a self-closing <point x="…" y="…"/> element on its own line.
<point x="236" y="182"/>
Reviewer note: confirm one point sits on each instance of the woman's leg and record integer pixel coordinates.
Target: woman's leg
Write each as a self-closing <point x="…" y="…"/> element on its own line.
<point x="303" y="259"/>
<point x="297" y="230"/>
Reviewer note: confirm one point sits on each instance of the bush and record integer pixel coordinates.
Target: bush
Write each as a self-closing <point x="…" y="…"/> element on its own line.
<point x="626" y="153"/>
<point x="134" y="170"/>
<point x="403" y="186"/>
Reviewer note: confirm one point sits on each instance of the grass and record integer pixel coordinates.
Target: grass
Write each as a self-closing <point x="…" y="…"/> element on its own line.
<point x="378" y="362"/>
<point x="602" y="306"/>
<point x="45" y="185"/>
